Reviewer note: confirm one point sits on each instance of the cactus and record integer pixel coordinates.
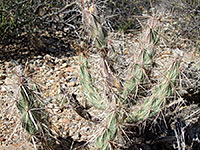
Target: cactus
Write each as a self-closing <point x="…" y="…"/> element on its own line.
<point x="140" y="71"/>
<point x="88" y="86"/>
<point x="25" y="106"/>
<point x="137" y="74"/>
<point x="95" y="27"/>
<point x="155" y="103"/>
<point x="144" y="62"/>
<point x="34" y="117"/>
<point x="109" y="133"/>
<point x="103" y="141"/>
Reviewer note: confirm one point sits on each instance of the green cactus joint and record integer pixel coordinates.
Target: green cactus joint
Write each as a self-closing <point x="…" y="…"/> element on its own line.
<point x="138" y="72"/>
<point x="25" y="105"/>
<point x="99" y="33"/>
<point x="109" y="133"/>
<point x="154" y="104"/>
<point x="154" y="38"/>
<point x="89" y="90"/>
<point x="144" y="65"/>
<point x="34" y="117"/>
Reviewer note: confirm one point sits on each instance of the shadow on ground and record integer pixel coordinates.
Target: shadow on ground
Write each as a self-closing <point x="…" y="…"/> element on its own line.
<point x="24" y="49"/>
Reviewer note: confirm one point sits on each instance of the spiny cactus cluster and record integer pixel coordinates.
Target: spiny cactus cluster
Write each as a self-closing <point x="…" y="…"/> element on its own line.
<point x="138" y="73"/>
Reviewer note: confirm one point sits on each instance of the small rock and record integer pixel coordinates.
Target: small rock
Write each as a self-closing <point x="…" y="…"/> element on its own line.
<point x="76" y="135"/>
<point x="57" y="61"/>
<point x="71" y="133"/>
<point x="1" y="82"/>
<point x="64" y="59"/>
<point x="47" y="57"/>
<point x="3" y="89"/>
<point x="65" y="121"/>
<point x="1" y="139"/>
<point x="64" y="65"/>
<point x="8" y="64"/>
<point x="65" y="133"/>
<point x="39" y="57"/>
<point x="71" y="84"/>
<point x="2" y="76"/>
<point x="51" y="81"/>
<point x="73" y="79"/>
<point x="55" y="110"/>
<point x="66" y="29"/>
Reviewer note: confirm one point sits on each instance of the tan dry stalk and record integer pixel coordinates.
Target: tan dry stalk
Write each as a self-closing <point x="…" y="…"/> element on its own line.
<point x="111" y="80"/>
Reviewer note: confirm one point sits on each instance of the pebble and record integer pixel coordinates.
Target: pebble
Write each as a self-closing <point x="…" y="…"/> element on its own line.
<point x="51" y="81"/>
<point x="65" y="121"/>
<point x="71" y="84"/>
<point x="2" y="76"/>
<point x="8" y="64"/>
<point x="57" y="61"/>
<point x="39" y="57"/>
<point x="64" y="65"/>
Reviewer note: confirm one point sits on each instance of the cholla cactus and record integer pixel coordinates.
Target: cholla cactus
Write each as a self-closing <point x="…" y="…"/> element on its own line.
<point x="34" y="116"/>
<point x="110" y="130"/>
<point x="26" y="107"/>
<point x="109" y="133"/>
<point x="155" y="102"/>
<point x="88" y="87"/>
<point x="99" y="35"/>
<point x="94" y="25"/>
<point x="139" y="71"/>
<point x="144" y="62"/>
